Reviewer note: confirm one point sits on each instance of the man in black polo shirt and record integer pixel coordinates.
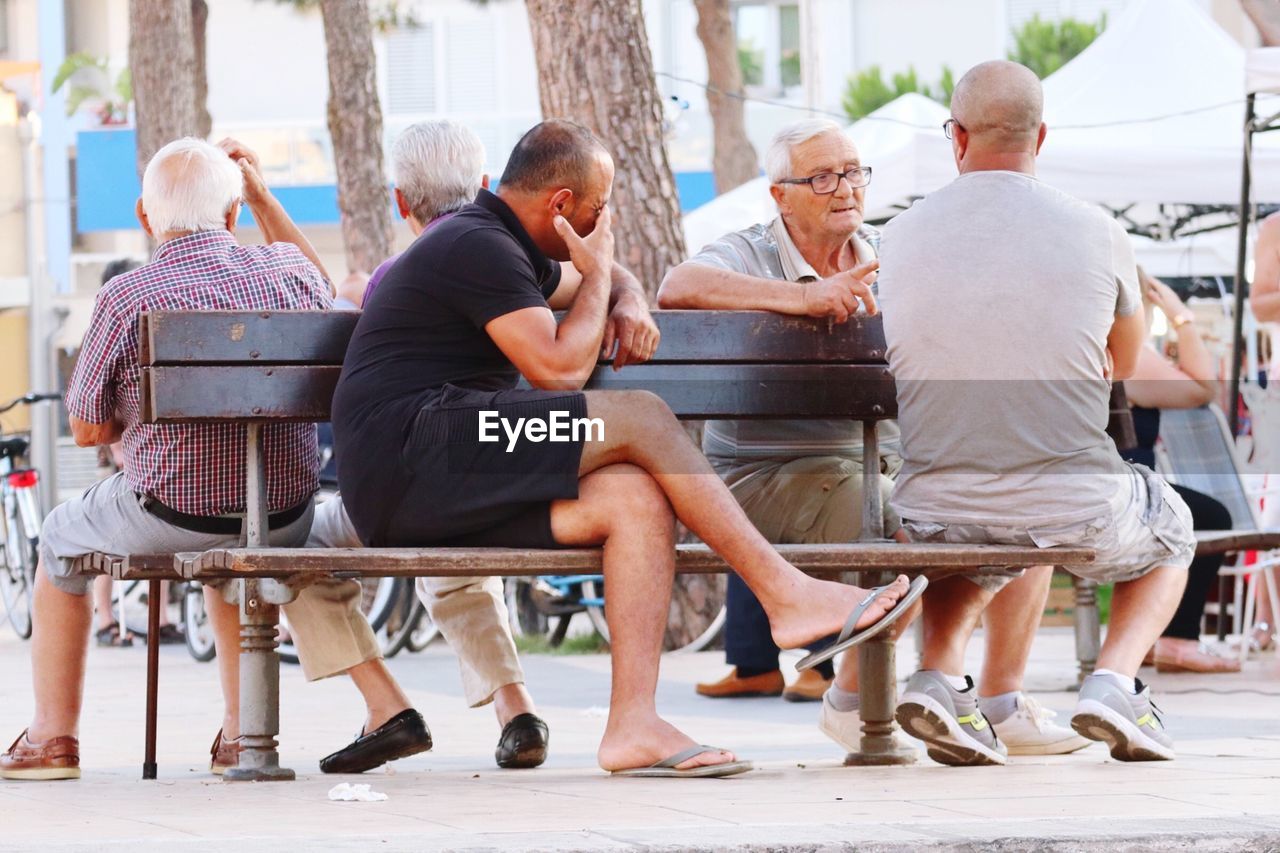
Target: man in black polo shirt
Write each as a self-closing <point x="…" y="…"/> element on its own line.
<point x="441" y="345"/>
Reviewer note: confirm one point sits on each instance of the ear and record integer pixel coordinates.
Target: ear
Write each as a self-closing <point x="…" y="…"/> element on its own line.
<point x="233" y="216"/>
<point x="142" y="219"/>
<point x="779" y="194"/>
<point x="401" y="205"/>
<point x="484" y="182"/>
<point x="1044" y="131"/>
<point x="561" y="202"/>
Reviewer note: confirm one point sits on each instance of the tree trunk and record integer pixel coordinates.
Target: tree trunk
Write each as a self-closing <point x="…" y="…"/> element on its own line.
<point x="594" y="67"/>
<point x="1265" y="15"/>
<point x="355" y="125"/>
<point x="199" y="24"/>
<point x="162" y="61"/>
<point x="733" y="158"/>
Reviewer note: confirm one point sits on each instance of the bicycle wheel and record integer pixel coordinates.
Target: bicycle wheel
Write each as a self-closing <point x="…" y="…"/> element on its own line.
<point x="424" y="633"/>
<point x="403" y="622"/>
<point x="195" y="619"/>
<point x="18" y="577"/>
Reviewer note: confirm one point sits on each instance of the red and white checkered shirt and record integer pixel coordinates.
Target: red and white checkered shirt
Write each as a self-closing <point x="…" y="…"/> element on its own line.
<point x="196" y="468"/>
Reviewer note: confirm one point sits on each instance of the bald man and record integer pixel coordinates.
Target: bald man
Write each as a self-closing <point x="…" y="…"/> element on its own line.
<point x="1008" y="305"/>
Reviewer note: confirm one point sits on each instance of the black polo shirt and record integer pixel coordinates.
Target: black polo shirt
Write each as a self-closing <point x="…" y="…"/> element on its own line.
<point x="423" y="327"/>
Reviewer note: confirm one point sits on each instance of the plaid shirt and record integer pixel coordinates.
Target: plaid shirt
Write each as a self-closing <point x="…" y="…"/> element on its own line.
<point x="196" y="468"/>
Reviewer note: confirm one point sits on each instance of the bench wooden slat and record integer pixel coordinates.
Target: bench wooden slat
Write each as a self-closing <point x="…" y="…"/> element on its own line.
<point x="690" y="559"/>
<point x="245" y="337"/>
<point x="1231" y="541"/>
<point x="320" y="337"/>
<point x="273" y="394"/>
<point x="743" y="391"/>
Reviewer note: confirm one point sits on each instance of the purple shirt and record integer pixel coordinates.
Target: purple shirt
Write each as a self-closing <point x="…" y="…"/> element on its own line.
<point x="381" y="271"/>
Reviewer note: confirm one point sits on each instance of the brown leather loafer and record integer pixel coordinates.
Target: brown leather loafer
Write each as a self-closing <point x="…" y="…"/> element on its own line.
<point x="809" y="687"/>
<point x="732" y="686"/>
<point x="224" y="754"/>
<point x="55" y="758"/>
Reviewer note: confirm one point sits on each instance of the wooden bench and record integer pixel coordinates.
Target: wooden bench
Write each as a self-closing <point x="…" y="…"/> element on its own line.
<point x="258" y="368"/>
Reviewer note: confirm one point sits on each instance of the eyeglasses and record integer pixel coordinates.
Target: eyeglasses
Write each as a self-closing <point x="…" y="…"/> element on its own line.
<point x="827" y="182"/>
<point x="948" y="128"/>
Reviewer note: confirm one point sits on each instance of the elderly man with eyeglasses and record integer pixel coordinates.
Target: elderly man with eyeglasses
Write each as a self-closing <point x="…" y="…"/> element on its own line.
<point x="801" y="481"/>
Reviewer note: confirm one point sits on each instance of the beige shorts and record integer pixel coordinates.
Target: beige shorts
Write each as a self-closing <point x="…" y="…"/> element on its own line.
<point x="1148" y="526"/>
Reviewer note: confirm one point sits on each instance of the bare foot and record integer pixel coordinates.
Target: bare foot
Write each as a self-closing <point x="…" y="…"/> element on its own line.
<point x="821" y="608"/>
<point x="639" y="741"/>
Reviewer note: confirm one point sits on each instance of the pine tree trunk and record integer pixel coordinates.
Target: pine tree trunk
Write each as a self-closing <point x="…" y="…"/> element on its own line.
<point x="594" y="67"/>
<point x="199" y="26"/>
<point x="355" y="126"/>
<point x="162" y="61"/>
<point x="733" y="158"/>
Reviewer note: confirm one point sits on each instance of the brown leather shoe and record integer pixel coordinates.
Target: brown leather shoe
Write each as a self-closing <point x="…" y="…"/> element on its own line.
<point x="1191" y="656"/>
<point x="55" y="758"/>
<point x="809" y="687"/>
<point x="731" y="686"/>
<point x="224" y="754"/>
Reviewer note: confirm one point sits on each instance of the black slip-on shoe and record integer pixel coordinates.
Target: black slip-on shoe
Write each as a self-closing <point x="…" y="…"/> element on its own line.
<point x="523" y="743"/>
<point x="403" y="735"/>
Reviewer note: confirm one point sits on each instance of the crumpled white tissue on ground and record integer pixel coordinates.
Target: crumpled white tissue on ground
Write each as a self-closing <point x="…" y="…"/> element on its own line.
<point x="347" y="793"/>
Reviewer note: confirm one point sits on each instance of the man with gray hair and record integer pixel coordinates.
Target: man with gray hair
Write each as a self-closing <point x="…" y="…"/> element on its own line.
<point x="801" y="481"/>
<point x="1008" y="307"/>
<point x="182" y="487"/>
<point x="439" y="168"/>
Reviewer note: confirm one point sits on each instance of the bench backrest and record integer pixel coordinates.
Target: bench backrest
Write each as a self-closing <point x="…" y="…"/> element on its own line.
<point x="283" y="366"/>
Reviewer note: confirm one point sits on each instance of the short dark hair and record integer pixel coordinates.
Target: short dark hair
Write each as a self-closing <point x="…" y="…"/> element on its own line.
<point x="556" y="152"/>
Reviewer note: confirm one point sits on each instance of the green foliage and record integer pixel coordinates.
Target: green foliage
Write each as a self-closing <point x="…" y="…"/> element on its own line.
<point x="385" y="16"/>
<point x="87" y="78"/>
<point x="789" y="68"/>
<point x="751" y="61"/>
<point x="867" y="91"/>
<point x="1045" y="46"/>
<point x="582" y="644"/>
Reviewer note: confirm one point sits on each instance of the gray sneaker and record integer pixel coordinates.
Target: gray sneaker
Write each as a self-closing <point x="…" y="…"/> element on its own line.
<point x="1126" y="722"/>
<point x="948" y="721"/>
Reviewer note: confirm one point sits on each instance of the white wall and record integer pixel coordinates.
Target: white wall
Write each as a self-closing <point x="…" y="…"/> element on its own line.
<point x="927" y="34"/>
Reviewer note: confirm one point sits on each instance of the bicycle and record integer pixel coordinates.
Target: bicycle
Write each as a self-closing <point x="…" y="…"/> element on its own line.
<point x="398" y="618"/>
<point x="19" y="495"/>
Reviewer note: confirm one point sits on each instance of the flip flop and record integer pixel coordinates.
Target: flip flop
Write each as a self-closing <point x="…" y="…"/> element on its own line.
<point x="848" y="639"/>
<point x="666" y="769"/>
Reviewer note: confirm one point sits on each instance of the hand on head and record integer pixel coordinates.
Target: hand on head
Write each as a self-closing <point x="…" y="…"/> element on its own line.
<point x="592" y="255"/>
<point x="255" y="188"/>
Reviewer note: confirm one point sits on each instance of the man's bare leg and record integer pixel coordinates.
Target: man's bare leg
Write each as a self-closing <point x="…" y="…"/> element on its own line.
<point x="510" y="701"/>
<point x="1140" y="611"/>
<point x="640" y="429"/>
<point x="1009" y="623"/>
<point x="59" y="647"/>
<point x="382" y="695"/>
<point x="952" y="607"/>
<point x="626" y="510"/>
<point x="847" y="672"/>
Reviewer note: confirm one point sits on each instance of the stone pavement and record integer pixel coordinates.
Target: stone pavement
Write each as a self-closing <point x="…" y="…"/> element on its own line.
<point x="1223" y="792"/>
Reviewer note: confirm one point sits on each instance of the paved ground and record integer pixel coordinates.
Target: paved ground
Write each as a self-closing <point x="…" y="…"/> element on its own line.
<point x="1223" y="792"/>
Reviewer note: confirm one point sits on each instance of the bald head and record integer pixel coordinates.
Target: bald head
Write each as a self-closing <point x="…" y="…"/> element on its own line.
<point x="1001" y="105"/>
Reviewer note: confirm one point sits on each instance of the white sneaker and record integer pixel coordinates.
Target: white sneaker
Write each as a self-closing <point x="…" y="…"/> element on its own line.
<point x="1030" y="730"/>
<point x="845" y="728"/>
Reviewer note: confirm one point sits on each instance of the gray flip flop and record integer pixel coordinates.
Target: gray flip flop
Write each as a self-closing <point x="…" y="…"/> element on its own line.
<point x="666" y="769"/>
<point x="848" y="639"/>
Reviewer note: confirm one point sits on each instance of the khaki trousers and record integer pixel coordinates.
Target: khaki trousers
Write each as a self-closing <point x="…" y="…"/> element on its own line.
<point x="471" y="613"/>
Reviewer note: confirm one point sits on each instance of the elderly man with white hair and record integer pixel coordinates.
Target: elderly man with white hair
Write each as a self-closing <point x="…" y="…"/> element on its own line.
<point x="182" y="487"/>
<point x="801" y="481"/>
<point x="439" y="168"/>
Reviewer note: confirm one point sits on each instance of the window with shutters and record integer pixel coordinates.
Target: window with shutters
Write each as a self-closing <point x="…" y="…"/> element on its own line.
<point x="471" y="79"/>
<point x="1021" y="11"/>
<point x="411" y="70"/>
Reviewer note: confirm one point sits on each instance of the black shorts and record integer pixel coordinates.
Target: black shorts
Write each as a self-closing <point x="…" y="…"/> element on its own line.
<point x="464" y="492"/>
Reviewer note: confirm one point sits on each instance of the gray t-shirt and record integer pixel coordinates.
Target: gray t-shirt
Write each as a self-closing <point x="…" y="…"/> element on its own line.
<point x="767" y="251"/>
<point x="998" y="294"/>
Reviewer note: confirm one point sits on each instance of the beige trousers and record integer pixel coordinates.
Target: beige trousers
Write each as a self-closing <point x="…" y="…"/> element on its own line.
<point x="470" y="612"/>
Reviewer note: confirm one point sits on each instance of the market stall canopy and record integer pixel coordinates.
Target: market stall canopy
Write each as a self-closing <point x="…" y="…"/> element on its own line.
<point x="1262" y="70"/>
<point x="1153" y="111"/>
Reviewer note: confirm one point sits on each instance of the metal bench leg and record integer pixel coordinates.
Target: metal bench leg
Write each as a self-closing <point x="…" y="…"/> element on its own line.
<point x="1088" y="628"/>
<point x="259" y="689"/>
<point x="878" y="692"/>
<point x="153" y="676"/>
